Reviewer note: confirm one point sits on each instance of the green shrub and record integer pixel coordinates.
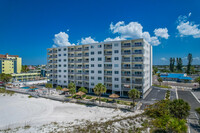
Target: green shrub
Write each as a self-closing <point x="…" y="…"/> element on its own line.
<point x="88" y="97"/>
<point x="84" y="96"/>
<point x="30" y="96"/>
<point x="104" y="99"/>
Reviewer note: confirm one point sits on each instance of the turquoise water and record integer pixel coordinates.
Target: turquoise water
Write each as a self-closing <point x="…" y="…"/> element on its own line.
<point x="27" y="87"/>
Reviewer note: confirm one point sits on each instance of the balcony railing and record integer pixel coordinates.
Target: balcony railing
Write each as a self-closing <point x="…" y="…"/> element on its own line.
<point x="126" y="74"/>
<point x="78" y="50"/>
<point x="137" y="60"/>
<point x="108" y="74"/>
<point x="137" y="75"/>
<point x="78" y="55"/>
<point x="108" y="80"/>
<point x="86" y="73"/>
<point x="86" y="61"/>
<point x="126" y="60"/>
<point x="86" y="85"/>
<point x="108" y="60"/>
<point x="126" y="81"/>
<point x="70" y="55"/>
<point x="108" y="54"/>
<point x="108" y="67"/>
<point x="86" y="49"/>
<point x="137" y="67"/>
<point x="79" y="72"/>
<point x="137" y="82"/>
<point x="137" y="45"/>
<point x="70" y="72"/>
<point x="126" y="53"/>
<point x="108" y="47"/>
<point x="126" y="67"/>
<point x="137" y="52"/>
<point x="126" y="46"/>
<point x="79" y="61"/>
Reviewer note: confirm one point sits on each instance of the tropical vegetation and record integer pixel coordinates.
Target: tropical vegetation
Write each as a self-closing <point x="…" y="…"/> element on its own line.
<point x="99" y="89"/>
<point x="134" y="94"/>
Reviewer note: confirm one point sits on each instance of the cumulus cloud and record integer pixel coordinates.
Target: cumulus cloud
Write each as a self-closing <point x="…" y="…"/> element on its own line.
<point x="61" y="39"/>
<point x="196" y="58"/>
<point x="88" y="40"/>
<point x="134" y="30"/>
<point x="114" y="39"/>
<point x="187" y="28"/>
<point x="161" y="32"/>
<point x="163" y="59"/>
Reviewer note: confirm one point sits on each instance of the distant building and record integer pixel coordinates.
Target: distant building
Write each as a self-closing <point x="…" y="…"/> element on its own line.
<point x="25" y="77"/>
<point x="178" y="77"/>
<point x="10" y="64"/>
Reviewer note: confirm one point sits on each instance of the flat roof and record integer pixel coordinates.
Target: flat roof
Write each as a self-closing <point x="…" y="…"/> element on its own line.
<point x="175" y="75"/>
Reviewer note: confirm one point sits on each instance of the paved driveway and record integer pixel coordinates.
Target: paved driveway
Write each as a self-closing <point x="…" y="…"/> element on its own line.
<point x="193" y="118"/>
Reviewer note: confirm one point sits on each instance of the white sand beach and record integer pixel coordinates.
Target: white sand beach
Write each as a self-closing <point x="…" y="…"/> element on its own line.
<point x="19" y="110"/>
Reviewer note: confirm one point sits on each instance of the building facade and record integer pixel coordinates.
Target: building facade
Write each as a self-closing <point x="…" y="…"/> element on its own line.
<point x="10" y="64"/>
<point x="119" y="65"/>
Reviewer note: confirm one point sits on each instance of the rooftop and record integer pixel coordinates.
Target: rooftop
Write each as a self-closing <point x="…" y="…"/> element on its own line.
<point x="175" y="75"/>
<point x="6" y="56"/>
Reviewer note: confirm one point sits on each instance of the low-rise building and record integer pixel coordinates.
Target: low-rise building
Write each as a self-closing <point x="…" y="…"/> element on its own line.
<point x="177" y="77"/>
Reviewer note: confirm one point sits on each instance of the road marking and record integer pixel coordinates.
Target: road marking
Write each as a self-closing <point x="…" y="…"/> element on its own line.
<point x="195" y="97"/>
<point x="188" y="125"/>
<point x="176" y="94"/>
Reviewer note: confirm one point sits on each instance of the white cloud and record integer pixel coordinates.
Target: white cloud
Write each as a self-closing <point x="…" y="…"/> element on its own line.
<point x="189" y="14"/>
<point x="61" y="39"/>
<point x="134" y="30"/>
<point x="163" y="59"/>
<point x="114" y="39"/>
<point x="187" y="28"/>
<point x="196" y="58"/>
<point x="88" y="40"/>
<point x="161" y="32"/>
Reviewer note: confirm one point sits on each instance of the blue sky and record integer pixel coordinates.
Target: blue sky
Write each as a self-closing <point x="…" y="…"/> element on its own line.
<point x="29" y="27"/>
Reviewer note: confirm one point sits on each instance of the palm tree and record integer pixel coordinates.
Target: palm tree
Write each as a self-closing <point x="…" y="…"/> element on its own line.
<point x="48" y="86"/>
<point x="198" y="80"/>
<point x="99" y="89"/>
<point x="72" y="88"/>
<point x="134" y="94"/>
<point x="58" y="88"/>
<point x="160" y="80"/>
<point x="83" y="90"/>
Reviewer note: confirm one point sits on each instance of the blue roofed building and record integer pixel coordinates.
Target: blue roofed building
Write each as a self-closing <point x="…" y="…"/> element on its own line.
<point x="178" y="77"/>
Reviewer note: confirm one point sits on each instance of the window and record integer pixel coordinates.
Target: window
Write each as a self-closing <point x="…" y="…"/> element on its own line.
<point x="116" y="72"/>
<point x="59" y="76"/>
<point x="92" y="59"/>
<point x="65" y="65"/>
<point x="92" y="71"/>
<point x="99" y="78"/>
<point x="65" y="70"/>
<point x="99" y="52"/>
<point x="59" y="49"/>
<point x="65" y="49"/>
<point x="64" y="54"/>
<point x="92" y="84"/>
<point x="116" y="79"/>
<point x="92" y="46"/>
<point x="64" y="60"/>
<point x="116" y="44"/>
<point x="59" y="60"/>
<point x="64" y="76"/>
<point x="59" y="55"/>
<point x="92" y="53"/>
<point x="59" y="70"/>
<point x="99" y="59"/>
<point x="65" y="81"/>
<point x="99" y="65"/>
<point x="99" y="72"/>
<point x="116" y="86"/>
<point x="59" y="65"/>
<point x="92" y="65"/>
<point x="116" y="51"/>
<point x="99" y="46"/>
<point x="116" y="65"/>
<point x="116" y="58"/>
<point x="92" y="77"/>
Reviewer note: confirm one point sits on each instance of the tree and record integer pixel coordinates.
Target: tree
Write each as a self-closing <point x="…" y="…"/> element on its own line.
<point x="72" y="88"/>
<point x="198" y="111"/>
<point x="48" y="86"/>
<point x="99" y="89"/>
<point x="58" y="88"/>
<point x="179" y="64"/>
<point x="189" y="63"/>
<point x="83" y="90"/>
<point x="25" y="68"/>
<point x="5" y="77"/>
<point x="160" y="80"/>
<point x="179" y="109"/>
<point x="155" y="70"/>
<point x="198" y="81"/>
<point x="171" y="66"/>
<point x="134" y="94"/>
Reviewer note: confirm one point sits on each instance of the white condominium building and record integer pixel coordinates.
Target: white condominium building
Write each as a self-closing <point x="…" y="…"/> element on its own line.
<point x="119" y="65"/>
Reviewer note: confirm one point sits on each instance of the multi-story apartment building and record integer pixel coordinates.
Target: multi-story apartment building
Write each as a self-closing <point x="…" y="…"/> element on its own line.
<point x="119" y="65"/>
<point x="10" y="64"/>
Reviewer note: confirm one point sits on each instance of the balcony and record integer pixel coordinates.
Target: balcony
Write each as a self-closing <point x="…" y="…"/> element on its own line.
<point x="137" y="82"/>
<point x="86" y="79"/>
<point x="137" y="45"/>
<point x="79" y="67"/>
<point x="126" y="46"/>
<point x="126" y="67"/>
<point x="126" y="53"/>
<point x="86" y="73"/>
<point x="107" y="67"/>
<point x="70" y="72"/>
<point x="108" y="74"/>
<point x="78" y="61"/>
<point x="70" y="55"/>
<point x="78" y="78"/>
<point x="71" y="78"/>
<point x="107" y="53"/>
<point x="109" y="87"/>
<point x="108" y="60"/>
<point x="126" y="60"/>
<point x="86" y="67"/>
<point x="86" y="55"/>
<point x="71" y="67"/>
<point x="138" y="60"/>
<point x="86" y="85"/>
<point x="138" y="67"/>
<point x="78" y="55"/>
<point x="86" y="61"/>
<point x="79" y="84"/>
<point x="85" y="49"/>
<point x="126" y="81"/>
<point x="78" y="50"/>
<point x="79" y="72"/>
<point x="126" y="74"/>
<point x="108" y="47"/>
<point x="126" y="88"/>
<point x="108" y="80"/>
<point x="137" y="52"/>
<point x="137" y="75"/>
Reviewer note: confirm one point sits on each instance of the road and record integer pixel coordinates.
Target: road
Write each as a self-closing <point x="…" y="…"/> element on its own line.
<point x="157" y="94"/>
<point x="193" y="118"/>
